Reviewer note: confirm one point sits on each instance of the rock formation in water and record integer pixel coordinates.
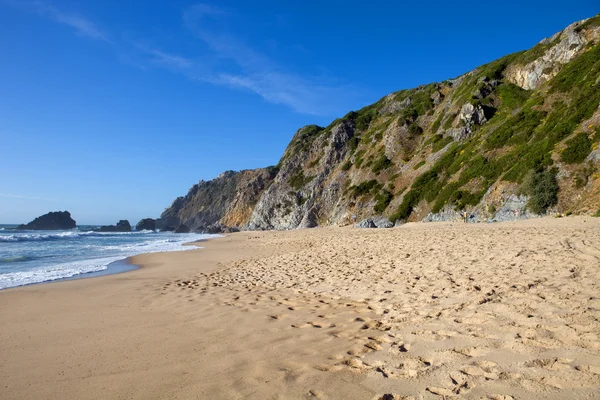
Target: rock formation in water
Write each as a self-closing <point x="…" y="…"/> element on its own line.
<point x="57" y="220"/>
<point x="146" y="224"/>
<point x="121" y="226"/>
<point x="514" y="138"/>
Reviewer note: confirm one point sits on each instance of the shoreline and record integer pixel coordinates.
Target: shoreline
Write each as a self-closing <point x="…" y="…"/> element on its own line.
<point x="116" y="267"/>
<point x="322" y="313"/>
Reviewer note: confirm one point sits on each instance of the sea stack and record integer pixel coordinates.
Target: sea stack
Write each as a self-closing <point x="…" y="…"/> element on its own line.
<point x="57" y="220"/>
<point x="122" y="226"/>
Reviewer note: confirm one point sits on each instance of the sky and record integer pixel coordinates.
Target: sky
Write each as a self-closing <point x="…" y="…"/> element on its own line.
<point x="111" y="109"/>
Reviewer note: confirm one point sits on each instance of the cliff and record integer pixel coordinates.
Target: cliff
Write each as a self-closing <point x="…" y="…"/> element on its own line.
<point x="224" y="202"/>
<point x="514" y="138"/>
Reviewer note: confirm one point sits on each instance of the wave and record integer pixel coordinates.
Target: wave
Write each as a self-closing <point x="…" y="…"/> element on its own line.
<point x="14" y="259"/>
<point x="61" y="271"/>
<point x="108" y="254"/>
<point x="38" y="237"/>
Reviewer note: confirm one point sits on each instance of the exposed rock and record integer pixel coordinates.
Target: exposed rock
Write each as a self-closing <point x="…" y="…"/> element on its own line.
<point x="514" y="207"/>
<point x="228" y="200"/>
<point x="300" y="192"/>
<point x="446" y="215"/>
<point x="182" y="229"/>
<point x="121" y="226"/>
<point x="558" y="50"/>
<point x="375" y="222"/>
<point x="383" y="222"/>
<point x="147" y="224"/>
<point x="485" y="88"/>
<point x="57" y="220"/>
<point x="460" y="133"/>
<point x="366" y="223"/>
<point x="472" y="115"/>
<point x="218" y="228"/>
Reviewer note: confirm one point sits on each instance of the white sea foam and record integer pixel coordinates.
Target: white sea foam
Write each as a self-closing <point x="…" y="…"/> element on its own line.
<point x="36" y="237"/>
<point x="54" y="271"/>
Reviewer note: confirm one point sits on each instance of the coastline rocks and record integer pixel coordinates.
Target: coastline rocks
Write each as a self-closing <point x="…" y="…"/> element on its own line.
<point x="375" y="222"/>
<point x="182" y="229"/>
<point x="366" y="223"/>
<point x="57" y="220"/>
<point x="216" y="228"/>
<point x="122" y="226"/>
<point x="147" y="224"/>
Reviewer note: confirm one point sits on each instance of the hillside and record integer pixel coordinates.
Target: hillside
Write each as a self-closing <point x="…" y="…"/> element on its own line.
<point x="517" y="137"/>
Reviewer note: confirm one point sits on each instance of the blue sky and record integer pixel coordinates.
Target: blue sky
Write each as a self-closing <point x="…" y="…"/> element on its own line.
<point x="111" y="109"/>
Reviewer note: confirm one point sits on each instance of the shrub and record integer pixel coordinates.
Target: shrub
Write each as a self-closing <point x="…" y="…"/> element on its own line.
<point x="437" y="123"/>
<point x="543" y="188"/>
<point x="315" y="162"/>
<point x="383" y="200"/>
<point x="359" y="158"/>
<point x="346" y="166"/>
<point x="367" y="187"/>
<point x="298" y="180"/>
<point x="440" y="143"/>
<point x="414" y="129"/>
<point x="449" y="121"/>
<point x="353" y="143"/>
<point x="419" y="165"/>
<point x="512" y="96"/>
<point x="516" y="130"/>
<point x="582" y="176"/>
<point x="381" y="163"/>
<point x="577" y="149"/>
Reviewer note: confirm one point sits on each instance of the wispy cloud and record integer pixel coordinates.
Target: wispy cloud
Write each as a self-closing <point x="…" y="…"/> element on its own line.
<point x="81" y="25"/>
<point x="227" y="60"/>
<point x="255" y="72"/>
<point x="165" y="59"/>
<point x="22" y="197"/>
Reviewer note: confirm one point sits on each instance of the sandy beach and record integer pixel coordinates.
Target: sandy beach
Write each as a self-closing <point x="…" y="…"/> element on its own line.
<point x="421" y="311"/>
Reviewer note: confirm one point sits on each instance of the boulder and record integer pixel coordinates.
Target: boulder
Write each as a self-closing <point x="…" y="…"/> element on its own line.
<point x="182" y="229"/>
<point x="214" y="228"/>
<point x="57" y="220"/>
<point x="472" y="114"/>
<point x="147" y="224"/>
<point x="375" y="222"/>
<point x="366" y="223"/>
<point x="219" y="228"/>
<point x="122" y="226"/>
<point x="382" y="222"/>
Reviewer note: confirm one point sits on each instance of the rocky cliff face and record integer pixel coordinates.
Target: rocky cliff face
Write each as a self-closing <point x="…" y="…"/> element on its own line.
<point x="308" y="189"/>
<point x="514" y="138"/>
<point x="545" y="60"/>
<point x="226" y="201"/>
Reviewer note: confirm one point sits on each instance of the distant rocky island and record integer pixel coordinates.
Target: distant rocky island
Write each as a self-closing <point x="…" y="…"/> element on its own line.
<point x="121" y="226"/>
<point x="56" y="220"/>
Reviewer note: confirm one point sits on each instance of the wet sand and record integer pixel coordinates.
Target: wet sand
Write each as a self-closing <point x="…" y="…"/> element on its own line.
<point x="423" y="311"/>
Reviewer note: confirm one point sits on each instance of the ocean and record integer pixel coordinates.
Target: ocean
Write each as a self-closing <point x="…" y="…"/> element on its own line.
<point x="28" y="257"/>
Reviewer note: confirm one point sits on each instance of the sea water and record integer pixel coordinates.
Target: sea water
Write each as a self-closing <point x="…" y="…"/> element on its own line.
<point x="28" y="257"/>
